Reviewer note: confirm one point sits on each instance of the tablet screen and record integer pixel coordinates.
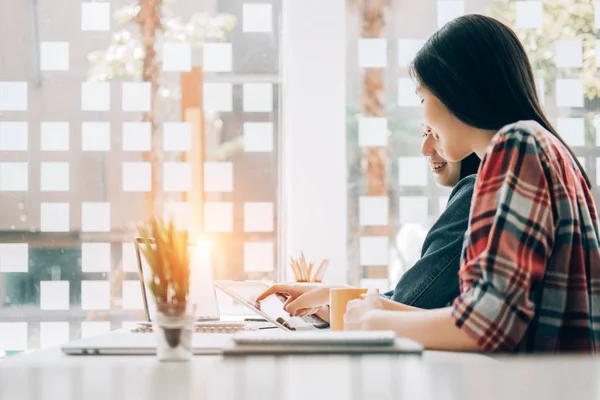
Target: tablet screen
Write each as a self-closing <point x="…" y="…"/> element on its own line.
<point x="272" y="306"/>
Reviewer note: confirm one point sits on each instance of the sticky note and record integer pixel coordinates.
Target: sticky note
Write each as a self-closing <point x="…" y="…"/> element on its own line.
<point x="372" y="53"/>
<point x="137" y="177"/>
<point x="373" y="211"/>
<point x="258" y="217"/>
<point x="95" y="217"/>
<point x="54" y="136"/>
<point x="13" y="136"/>
<point x="54" y="217"/>
<point x="258" y="137"/>
<point x="218" y="177"/>
<point x="95" y="257"/>
<point x="14" y="177"/>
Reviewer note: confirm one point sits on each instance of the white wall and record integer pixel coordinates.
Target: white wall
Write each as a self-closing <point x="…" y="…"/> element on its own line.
<point x="313" y="153"/>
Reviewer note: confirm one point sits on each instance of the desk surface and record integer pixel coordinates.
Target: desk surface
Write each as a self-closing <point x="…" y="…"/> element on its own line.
<point x="48" y="374"/>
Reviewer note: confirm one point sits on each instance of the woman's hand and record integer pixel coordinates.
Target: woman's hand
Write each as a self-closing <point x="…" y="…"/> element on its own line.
<point x="301" y="298"/>
<point x="359" y="312"/>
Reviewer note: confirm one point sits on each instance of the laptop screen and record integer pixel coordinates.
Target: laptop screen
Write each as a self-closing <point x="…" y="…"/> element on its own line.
<point x="202" y="287"/>
<point x="246" y="292"/>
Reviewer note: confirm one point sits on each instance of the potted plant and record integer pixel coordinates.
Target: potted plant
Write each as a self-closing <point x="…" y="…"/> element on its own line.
<point x="166" y="251"/>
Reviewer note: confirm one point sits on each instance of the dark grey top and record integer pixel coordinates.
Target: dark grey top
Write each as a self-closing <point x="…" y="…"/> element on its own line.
<point x="433" y="281"/>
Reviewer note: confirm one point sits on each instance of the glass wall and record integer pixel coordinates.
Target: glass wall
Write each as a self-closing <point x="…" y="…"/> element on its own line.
<point x="392" y="198"/>
<point x="111" y="112"/>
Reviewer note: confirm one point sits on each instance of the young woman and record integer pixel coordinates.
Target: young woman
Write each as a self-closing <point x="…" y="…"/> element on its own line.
<point x="530" y="268"/>
<point x="433" y="281"/>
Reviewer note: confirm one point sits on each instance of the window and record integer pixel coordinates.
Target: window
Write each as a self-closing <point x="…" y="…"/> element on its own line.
<point x="92" y="142"/>
<point x="392" y="198"/>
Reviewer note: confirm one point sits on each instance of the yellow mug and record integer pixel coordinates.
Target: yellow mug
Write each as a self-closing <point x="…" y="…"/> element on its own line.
<point x="338" y="301"/>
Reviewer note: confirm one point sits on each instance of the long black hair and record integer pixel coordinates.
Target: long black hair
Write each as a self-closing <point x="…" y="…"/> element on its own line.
<point x="477" y="67"/>
<point x="469" y="165"/>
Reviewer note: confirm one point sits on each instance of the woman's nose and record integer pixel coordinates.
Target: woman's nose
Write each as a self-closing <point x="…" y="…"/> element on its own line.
<point x="427" y="148"/>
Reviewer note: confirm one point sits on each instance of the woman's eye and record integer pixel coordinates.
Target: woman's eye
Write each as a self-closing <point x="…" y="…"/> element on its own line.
<point x="422" y="100"/>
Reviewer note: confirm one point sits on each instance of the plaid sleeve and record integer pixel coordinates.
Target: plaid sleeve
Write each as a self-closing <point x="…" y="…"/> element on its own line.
<point x="506" y="246"/>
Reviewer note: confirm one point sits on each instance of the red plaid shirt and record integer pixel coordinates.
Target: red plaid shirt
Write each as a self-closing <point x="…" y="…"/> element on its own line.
<point x="530" y="268"/>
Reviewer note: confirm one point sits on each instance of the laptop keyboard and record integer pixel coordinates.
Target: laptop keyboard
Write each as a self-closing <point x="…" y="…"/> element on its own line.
<point x="215" y="328"/>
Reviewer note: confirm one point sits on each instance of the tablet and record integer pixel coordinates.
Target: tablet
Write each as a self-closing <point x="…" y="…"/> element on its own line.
<point x="271" y="308"/>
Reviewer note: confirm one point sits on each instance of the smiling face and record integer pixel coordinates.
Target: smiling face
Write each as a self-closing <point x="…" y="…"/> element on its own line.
<point x="445" y="173"/>
<point x="454" y="138"/>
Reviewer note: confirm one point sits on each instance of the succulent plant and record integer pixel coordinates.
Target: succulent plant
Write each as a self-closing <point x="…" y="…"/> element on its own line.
<point x="167" y="253"/>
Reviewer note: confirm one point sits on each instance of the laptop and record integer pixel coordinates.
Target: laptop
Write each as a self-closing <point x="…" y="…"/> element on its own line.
<point x="207" y="307"/>
<point x="123" y="342"/>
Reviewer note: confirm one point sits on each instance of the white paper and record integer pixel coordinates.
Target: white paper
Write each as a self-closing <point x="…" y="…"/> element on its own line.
<point x="54" y="176"/>
<point x="13" y="336"/>
<point x="13" y="136"/>
<point x="218" y="217"/>
<point x="132" y="295"/>
<point x="177" y="177"/>
<point x="407" y="50"/>
<point x="136" y="96"/>
<point x="372" y="53"/>
<point x="258" y="137"/>
<point x="13" y="96"/>
<point x="372" y="132"/>
<point x="414" y="209"/>
<point x="94" y="328"/>
<point x="95" y="16"/>
<point x="14" y="177"/>
<point x="218" y="177"/>
<point x="14" y="257"/>
<point x="137" y="177"/>
<point x="95" y="257"/>
<point x="54" y="217"/>
<point x="572" y="130"/>
<point x="95" y="295"/>
<point x="54" y="295"/>
<point x="258" y="97"/>
<point x="177" y="57"/>
<point x="54" y="56"/>
<point x="177" y="136"/>
<point x="137" y="136"/>
<point x="413" y="171"/>
<point x="529" y="14"/>
<point x="95" y="96"/>
<point x="406" y="93"/>
<point x="217" y="57"/>
<point x="569" y="53"/>
<point x="259" y="257"/>
<point x="257" y="18"/>
<point x="449" y="10"/>
<point x="217" y="97"/>
<point x="95" y="217"/>
<point x="258" y="217"/>
<point x="54" y="136"/>
<point x="95" y="136"/>
<point x="373" y="211"/>
<point x="569" y="93"/>
<point x="53" y="334"/>
<point x="374" y="250"/>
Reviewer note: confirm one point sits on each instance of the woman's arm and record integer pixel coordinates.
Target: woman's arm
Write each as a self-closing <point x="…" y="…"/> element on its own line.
<point x="434" y="329"/>
<point x="391" y="305"/>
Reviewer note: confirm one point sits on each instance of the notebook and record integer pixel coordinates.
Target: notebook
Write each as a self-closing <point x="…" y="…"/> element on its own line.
<point x="319" y="342"/>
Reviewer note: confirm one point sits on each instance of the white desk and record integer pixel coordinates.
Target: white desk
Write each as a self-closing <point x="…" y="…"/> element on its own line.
<point x="48" y="374"/>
